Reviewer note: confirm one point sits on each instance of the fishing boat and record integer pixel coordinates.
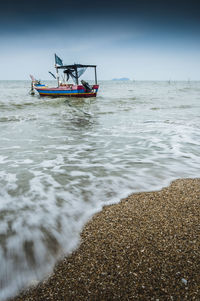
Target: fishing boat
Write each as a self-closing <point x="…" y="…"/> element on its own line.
<point x="75" y="89"/>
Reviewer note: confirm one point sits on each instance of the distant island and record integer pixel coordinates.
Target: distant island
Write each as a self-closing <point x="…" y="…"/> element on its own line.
<point x="122" y="78"/>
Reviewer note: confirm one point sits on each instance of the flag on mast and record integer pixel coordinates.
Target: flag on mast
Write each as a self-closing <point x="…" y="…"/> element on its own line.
<point x="58" y="60"/>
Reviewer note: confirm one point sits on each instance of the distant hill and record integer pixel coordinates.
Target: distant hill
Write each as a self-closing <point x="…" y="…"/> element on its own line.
<point x="122" y="78"/>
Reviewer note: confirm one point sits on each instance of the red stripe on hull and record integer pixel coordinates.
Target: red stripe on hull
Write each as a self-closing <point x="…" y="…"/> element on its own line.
<point x="65" y="88"/>
<point x="70" y="95"/>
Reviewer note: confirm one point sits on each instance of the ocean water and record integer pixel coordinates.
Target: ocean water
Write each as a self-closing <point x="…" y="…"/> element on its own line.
<point x="62" y="159"/>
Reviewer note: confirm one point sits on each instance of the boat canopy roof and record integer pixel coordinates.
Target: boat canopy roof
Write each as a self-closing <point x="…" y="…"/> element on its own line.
<point x="76" y="70"/>
<point x="75" y="66"/>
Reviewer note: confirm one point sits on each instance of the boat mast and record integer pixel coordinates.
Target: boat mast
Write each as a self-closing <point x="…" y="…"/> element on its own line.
<point x="95" y="72"/>
<point x="76" y="75"/>
<point x="57" y="74"/>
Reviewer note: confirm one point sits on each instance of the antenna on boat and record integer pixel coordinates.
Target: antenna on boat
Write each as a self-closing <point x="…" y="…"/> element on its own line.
<point x="52" y="74"/>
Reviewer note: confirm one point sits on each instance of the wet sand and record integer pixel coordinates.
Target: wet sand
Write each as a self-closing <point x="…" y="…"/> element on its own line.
<point x="147" y="247"/>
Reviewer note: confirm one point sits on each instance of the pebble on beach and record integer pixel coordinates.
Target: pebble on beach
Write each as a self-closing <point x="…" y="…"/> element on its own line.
<point x="147" y="247"/>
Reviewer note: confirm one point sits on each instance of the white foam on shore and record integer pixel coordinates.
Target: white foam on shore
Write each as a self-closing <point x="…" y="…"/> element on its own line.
<point x="58" y="169"/>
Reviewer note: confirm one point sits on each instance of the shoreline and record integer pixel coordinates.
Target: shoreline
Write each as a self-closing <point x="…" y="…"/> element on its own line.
<point x="145" y="247"/>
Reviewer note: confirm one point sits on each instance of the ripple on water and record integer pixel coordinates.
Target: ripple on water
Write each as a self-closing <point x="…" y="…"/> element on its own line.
<point x="61" y="160"/>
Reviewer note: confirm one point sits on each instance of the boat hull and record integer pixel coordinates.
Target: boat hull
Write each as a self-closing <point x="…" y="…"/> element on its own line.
<point x="67" y="91"/>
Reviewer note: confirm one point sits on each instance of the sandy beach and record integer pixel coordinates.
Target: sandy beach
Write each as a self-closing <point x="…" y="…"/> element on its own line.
<point x="147" y="247"/>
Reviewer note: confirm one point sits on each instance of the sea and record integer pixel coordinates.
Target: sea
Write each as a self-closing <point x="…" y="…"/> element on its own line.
<point x="63" y="159"/>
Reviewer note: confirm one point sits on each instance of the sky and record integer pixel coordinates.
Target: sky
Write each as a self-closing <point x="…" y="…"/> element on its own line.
<point x="138" y="39"/>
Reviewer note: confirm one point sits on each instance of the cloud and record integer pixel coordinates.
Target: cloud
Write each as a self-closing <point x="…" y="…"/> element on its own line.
<point x="129" y="38"/>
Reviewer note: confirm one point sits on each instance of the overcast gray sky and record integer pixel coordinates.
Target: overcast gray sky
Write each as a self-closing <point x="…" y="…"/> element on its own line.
<point x="142" y="40"/>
